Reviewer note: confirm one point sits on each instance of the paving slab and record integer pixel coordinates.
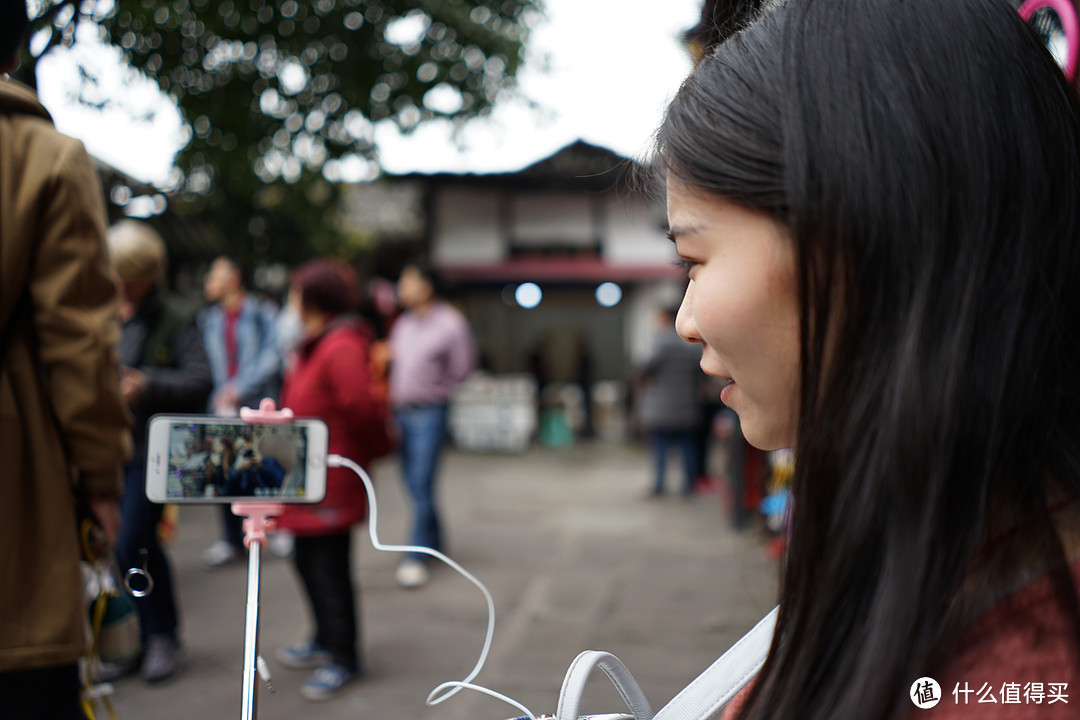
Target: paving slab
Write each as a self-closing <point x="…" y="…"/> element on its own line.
<point x="575" y="553"/>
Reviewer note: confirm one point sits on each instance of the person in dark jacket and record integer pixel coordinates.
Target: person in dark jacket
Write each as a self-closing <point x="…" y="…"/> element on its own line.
<point x="164" y="370"/>
<point x="671" y="401"/>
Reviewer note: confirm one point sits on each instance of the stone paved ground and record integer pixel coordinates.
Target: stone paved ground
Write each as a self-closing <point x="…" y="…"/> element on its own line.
<point x="575" y="555"/>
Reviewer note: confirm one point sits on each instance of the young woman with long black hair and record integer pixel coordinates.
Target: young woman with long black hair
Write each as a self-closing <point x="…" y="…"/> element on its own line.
<point x="877" y="201"/>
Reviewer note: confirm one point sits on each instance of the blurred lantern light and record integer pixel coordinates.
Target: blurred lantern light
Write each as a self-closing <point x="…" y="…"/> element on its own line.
<point x="608" y="294"/>
<point x="528" y="295"/>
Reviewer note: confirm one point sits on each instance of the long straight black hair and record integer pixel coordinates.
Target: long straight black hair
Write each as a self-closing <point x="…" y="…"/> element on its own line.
<point x="924" y="157"/>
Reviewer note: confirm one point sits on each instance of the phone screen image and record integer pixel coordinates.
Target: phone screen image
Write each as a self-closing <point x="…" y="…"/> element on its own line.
<point x="236" y="460"/>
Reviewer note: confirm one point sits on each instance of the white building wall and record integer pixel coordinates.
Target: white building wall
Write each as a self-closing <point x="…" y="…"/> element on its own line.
<point x="633" y="236"/>
<point x="466" y="227"/>
<point x="467" y="232"/>
<point x="541" y="218"/>
<point x="641" y="307"/>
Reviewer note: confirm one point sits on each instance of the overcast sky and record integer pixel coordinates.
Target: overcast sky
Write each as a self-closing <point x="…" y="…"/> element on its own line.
<point x="613" y="64"/>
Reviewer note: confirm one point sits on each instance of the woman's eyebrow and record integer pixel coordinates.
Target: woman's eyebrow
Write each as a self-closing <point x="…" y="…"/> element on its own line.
<point x="675" y="231"/>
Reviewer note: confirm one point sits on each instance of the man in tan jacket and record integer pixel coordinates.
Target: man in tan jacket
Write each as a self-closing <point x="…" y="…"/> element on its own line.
<point x="63" y="423"/>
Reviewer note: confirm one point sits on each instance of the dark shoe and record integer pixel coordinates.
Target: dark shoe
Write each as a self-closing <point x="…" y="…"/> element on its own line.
<point x="106" y="672"/>
<point x="327" y="681"/>
<point x="303" y="655"/>
<point x="161" y="658"/>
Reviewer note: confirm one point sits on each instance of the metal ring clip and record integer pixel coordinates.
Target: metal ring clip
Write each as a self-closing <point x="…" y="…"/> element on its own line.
<point x="139" y="572"/>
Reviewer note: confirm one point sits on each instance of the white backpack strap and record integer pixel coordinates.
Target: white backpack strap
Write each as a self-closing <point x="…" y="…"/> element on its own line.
<point x="707" y="695"/>
<point x="578" y="675"/>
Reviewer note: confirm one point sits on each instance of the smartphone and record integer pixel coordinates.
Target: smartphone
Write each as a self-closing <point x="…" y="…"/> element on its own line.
<point x="209" y="459"/>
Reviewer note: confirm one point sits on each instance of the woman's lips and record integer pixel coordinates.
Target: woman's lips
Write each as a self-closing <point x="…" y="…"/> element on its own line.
<point x="725" y="391"/>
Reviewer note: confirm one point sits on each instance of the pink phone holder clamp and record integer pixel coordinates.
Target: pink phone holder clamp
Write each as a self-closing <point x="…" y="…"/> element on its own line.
<point x="258" y="517"/>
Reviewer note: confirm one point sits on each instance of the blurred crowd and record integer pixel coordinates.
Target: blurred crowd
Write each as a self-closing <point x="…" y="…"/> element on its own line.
<point x="381" y="375"/>
<point x="94" y="342"/>
<point x="378" y="380"/>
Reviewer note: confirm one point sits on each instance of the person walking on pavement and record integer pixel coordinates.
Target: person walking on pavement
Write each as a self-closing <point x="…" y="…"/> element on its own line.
<point x="64" y="434"/>
<point x="432" y="350"/>
<point x="331" y="380"/>
<point x="164" y="370"/>
<point x="240" y="339"/>
<point x="671" y="401"/>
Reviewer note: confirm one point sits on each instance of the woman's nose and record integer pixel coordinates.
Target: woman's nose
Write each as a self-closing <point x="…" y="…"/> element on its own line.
<point x="684" y="321"/>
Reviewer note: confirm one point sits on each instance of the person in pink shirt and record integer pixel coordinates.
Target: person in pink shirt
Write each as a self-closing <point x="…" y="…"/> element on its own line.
<point x="876" y="204"/>
<point x="431" y="350"/>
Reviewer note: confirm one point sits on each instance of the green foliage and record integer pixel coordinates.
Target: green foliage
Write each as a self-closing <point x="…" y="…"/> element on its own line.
<point x="280" y="95"/>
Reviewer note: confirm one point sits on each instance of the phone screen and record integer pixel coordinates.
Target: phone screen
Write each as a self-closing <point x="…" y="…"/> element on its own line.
<point x="217" y="461"/>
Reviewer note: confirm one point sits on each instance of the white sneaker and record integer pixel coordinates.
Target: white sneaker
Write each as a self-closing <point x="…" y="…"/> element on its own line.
<point x="412" y="574"/>
<point x="220" y="553"/>
<point x="281" y="544"/>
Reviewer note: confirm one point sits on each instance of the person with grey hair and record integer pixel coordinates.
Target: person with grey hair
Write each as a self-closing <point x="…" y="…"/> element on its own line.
<point x="164" y="370"/>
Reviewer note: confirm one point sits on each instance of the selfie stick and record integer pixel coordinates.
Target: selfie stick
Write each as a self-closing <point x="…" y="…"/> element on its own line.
<point x="258" y="520"/>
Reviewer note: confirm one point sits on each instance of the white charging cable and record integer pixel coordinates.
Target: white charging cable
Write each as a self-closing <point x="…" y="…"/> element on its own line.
<point x="447" y="689"/>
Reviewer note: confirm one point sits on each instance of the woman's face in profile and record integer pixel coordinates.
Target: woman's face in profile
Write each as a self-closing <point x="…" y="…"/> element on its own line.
<point x="741" y="307"/>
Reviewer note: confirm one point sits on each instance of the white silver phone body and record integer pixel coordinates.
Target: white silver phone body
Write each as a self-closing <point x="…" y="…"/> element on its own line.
<point x="208" y="459"/>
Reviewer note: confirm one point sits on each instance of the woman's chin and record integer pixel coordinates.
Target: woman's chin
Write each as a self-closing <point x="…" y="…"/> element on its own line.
<point x="766" y="439"/>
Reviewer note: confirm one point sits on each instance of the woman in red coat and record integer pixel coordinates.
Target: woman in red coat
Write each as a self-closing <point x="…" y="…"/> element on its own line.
<point x="330" y="380"/>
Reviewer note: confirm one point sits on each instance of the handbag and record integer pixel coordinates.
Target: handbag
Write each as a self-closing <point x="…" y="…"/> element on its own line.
<point x="113" y="618"/>
<point x="113" y="626"/>
<point x="703" y="699"/>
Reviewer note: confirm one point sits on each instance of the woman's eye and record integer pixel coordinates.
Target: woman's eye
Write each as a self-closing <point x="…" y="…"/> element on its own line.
<point x="685" y="265"/>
